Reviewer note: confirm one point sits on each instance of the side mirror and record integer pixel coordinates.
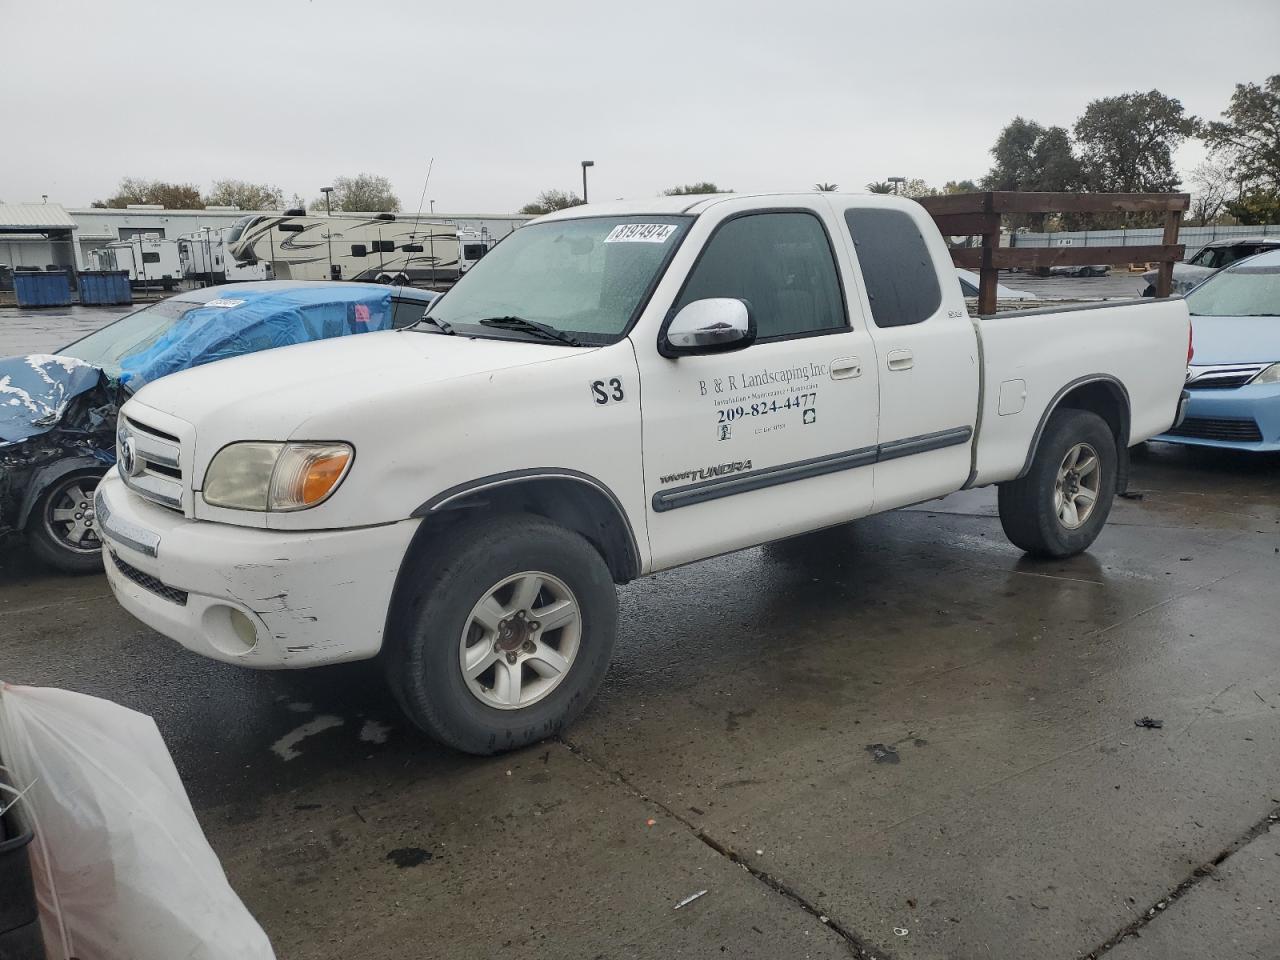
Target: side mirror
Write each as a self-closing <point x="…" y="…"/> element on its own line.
<point x="708" y="326"/>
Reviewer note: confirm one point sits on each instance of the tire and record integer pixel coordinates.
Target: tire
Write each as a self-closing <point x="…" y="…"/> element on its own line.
<point x="67" y="541"/>
<point x="426" y="648"/>
<point x="1030" y="508"/>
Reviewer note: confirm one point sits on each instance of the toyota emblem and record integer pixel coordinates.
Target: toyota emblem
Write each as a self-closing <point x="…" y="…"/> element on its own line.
<point x="129" y="457"/>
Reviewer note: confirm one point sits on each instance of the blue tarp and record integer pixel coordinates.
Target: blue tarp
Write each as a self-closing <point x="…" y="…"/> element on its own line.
<point x="35" y="391"/>
<point x="247" y="321"/>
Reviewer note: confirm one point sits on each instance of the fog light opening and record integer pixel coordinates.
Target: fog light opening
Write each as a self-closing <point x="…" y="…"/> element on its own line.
<point x="230" y="631"/>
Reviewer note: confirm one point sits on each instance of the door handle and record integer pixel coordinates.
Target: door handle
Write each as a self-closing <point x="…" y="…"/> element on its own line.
<point x="845" y="368"/>
<point x="901" y="360"/>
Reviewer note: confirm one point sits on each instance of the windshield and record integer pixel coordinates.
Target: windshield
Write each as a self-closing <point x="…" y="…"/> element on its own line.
<point x="238" y="228"/>
<point x="1239" y="292"/>
<point x="583" y="277"/>
<point x="105" y="348"/>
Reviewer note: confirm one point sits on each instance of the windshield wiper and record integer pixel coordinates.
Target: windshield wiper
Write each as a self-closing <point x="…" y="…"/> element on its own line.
<point x="444" y="326"/>
<point x="531" y="326"/>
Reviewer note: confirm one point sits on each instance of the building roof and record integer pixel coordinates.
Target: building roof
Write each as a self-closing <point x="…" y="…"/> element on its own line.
<point x="26" y="217"/>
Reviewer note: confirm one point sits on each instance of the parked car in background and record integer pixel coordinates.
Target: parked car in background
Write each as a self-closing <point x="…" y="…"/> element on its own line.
<point x="1086" y="270"/>
<point x="1234" y="378"/>
<point x="58" y="412"/>
<point x="1208" y="260"/>
<point x="969" y="286"/>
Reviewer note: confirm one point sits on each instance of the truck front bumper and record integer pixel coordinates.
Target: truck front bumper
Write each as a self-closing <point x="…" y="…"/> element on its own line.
<point x="259" y="598"/>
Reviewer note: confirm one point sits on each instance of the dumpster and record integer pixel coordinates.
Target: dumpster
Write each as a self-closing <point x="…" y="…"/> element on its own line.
<point x="105" y="287"/>
<point x="39" y="288"/>
<point x="20" y="937"/>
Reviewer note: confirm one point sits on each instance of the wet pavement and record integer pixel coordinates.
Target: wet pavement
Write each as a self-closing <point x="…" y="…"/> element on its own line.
<point x="899" y="739"/>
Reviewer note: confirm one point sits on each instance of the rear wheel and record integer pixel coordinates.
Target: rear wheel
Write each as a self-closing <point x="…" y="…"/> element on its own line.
<point x="503" y="638"/>
<point x="1060" y="506"/>
<point x="62" y="529"/>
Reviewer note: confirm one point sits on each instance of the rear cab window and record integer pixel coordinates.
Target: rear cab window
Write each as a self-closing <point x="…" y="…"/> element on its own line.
<point x="897" y="270"/>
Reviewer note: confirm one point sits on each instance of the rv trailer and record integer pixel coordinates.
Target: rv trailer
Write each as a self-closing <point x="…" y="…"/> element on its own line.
<point x="205" y="260"/>
<point x="150" y="260"/>
<point x="383" y="249"/>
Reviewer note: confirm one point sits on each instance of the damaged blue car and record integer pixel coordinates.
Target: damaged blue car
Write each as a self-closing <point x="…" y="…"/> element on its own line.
<point x="58" y="411"/>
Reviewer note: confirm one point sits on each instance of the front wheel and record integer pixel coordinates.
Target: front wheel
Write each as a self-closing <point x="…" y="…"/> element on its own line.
<point x="504" y="637"/>
<point x="1060" y="506"/>
<point x="62" y="529"/>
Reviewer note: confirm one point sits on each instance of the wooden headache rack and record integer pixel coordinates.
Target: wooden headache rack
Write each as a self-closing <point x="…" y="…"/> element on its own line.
<point x="978" y="214"/>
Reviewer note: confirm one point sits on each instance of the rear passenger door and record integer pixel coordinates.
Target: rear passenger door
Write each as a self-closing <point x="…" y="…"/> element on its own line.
<point x="926" y="350"/>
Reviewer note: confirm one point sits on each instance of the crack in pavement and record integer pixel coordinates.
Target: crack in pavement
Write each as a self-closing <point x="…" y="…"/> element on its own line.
<point x="1197" y="876"/>
<point x="858" y="946"/>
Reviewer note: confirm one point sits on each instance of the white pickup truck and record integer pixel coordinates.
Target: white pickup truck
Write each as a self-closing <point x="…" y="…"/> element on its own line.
<point x="614" y="390"/>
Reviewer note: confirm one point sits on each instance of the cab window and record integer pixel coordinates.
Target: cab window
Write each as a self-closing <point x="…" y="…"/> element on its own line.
<point x="781" y="264"/>
<point x="899" y="274"/>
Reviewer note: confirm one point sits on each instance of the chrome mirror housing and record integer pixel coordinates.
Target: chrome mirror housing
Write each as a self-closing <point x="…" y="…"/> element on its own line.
<point x="708" y="326"/>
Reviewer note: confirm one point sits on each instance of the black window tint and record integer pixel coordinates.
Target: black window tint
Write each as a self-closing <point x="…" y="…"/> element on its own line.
<point x="474" y="251"/>
<point x="151" y="258"/>
<point x="781" y="264"/>
<point x="405" y="312"/>
<point x="359" y="250"/>
<point x="901" y="280"/>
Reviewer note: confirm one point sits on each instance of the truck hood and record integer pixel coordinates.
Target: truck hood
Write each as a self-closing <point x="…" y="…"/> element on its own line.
<point x="1236" y="339"/>
<point x="268" y="395"/>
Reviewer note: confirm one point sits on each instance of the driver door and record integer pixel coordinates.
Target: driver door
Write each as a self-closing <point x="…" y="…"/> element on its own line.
<point x="765" y="442"/>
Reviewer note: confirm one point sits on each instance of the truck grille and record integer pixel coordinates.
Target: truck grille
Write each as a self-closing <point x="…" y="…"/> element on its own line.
<point x="148" y="582"/>
<point x="1219" y="428"/>
<point x="150" y="462"/>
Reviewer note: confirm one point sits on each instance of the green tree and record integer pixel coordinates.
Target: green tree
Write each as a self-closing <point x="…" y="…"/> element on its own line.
<point x="1258" y="206"/>
<point x="171" y="196"/>
<point x="245" y="195"/>
<point x="959" y="186"/>
<point x="549" y="200"/>
<point x="691" y="189"/>
<point x="363" y="193"/>
<point x="1248" y="137"/>
<point x="880" y="186"/>
<point x="1028" y="156"/>
<point x="916" y="188"/>
<point x="1127" y="142"/>
<point x="826" y="187"/>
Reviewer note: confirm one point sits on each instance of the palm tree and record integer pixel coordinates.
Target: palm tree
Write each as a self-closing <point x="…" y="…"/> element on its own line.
<point x="880" y="186"/>
<point x="826" y="187"/>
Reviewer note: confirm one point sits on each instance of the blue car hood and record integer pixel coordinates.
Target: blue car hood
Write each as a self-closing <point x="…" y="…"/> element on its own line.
<point x="1236" y="339"/>
<point x="36" y="390"/>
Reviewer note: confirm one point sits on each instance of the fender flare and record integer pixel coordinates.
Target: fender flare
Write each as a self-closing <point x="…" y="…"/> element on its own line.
<point x="442" y="500"/>
<point x="1056" y="402"/>
<point x="51" y="473"/>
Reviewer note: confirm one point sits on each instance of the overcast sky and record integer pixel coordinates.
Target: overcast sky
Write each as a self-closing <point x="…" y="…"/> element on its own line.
<point x="508" y="97"/>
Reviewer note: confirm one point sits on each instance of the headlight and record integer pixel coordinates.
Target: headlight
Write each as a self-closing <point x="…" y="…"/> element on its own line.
<point x="275" y="476"/>
<point x="1269" y="375"/>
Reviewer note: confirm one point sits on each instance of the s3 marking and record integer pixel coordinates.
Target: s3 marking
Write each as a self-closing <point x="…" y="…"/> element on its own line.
<point x="607" y="391"/>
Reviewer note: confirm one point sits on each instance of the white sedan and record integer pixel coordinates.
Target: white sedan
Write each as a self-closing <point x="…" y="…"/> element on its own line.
<point x="969" y="284"/>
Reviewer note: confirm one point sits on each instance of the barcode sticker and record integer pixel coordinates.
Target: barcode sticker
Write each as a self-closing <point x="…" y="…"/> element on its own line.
<point x="640" y="233"/>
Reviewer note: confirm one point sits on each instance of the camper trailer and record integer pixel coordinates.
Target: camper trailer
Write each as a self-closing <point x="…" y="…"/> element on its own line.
<point x="150" y="260"/>
<point x="383" y="249"/>
<point x="205" y="260"/>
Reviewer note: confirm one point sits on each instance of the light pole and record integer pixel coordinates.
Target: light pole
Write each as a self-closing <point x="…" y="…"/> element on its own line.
<point x="433" y="207"/>
<point x="897" y="184"/>
<point x="585" y="164"/>
<point x="326" y="191"/>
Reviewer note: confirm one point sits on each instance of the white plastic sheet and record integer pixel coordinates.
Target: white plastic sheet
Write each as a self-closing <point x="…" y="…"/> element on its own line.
<point x="122" y="868"/>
